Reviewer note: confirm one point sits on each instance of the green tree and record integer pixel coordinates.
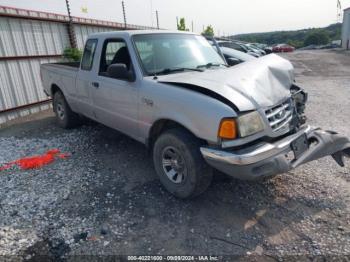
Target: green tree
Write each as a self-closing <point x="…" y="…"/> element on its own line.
<point x="182" y="25"/>
<point x="317" y="37"/>
<point x="72" y="54"/>
<point x="295" y="38"/>
<point x="208" y="31"/>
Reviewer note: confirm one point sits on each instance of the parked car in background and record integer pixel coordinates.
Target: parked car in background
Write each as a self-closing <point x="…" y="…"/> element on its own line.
<point x="255" y="49"/>
<point x="234" y="57"/>
<point x="268" y="49"/>
<point x="283" y="48"/>
<point x="265" y="47"/>
<point x="238" y="46"/>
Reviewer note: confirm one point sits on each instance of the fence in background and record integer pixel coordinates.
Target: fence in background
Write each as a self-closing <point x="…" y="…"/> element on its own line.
<point x="27" y="39"/>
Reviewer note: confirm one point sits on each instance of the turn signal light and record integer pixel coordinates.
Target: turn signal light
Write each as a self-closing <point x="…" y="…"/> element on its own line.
<point x="228" y="129"/>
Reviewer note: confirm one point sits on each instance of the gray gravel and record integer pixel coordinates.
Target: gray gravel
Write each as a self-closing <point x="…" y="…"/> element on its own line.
<point x="105" y="199"/>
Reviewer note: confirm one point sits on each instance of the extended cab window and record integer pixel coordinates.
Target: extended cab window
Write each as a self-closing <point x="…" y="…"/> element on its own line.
<point x="88" y="56"/>
<point x="114" y="51"/>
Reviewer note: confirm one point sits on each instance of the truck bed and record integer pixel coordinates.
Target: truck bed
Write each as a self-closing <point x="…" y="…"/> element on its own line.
<point x="64" y="74"/>
<point x="68" y="65"/>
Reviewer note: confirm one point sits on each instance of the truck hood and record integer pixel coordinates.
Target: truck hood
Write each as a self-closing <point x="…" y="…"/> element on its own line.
<point x="252" y="85"/>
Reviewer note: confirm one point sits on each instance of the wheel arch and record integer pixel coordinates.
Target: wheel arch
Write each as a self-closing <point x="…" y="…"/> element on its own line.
<point x="55" y="88"/>
<point x="162" y="125"/>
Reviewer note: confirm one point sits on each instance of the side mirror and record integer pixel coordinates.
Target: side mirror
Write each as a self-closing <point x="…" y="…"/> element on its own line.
<point x="120" y="71"/>
<point x="231" y="61"/>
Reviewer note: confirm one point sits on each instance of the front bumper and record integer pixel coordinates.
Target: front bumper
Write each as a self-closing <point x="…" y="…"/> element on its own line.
<point x="268" y="159"/>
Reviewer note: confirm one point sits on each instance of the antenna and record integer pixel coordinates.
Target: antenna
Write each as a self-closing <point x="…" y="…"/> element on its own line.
<point x="124" y="14"/>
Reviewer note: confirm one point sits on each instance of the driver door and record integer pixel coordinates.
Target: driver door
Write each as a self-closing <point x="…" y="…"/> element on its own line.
<point x="115" y="100"/>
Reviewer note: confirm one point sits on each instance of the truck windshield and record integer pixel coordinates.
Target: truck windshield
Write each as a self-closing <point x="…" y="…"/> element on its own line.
<point x="173" y="53"/>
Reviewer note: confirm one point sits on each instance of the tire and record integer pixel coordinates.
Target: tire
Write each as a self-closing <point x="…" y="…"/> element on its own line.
<point x="65" y="117"/>
<point x="191" y="175"/>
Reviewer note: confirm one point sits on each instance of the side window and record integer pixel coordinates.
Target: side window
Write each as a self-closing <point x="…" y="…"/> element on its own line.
<point x="88" y="56"/>
<point x="114" y="51"/>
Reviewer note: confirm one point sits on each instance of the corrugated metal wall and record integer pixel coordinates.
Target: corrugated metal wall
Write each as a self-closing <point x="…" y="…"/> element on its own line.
<point x="21" y="37"/>
<point x="21" y="85"/>
<point x="82" y="32"/>
<point x="20" y="78"/>
<point x="27" y="39"/>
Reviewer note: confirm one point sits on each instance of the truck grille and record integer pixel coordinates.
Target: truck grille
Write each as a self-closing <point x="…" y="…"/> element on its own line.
<point x="279" y="116"/>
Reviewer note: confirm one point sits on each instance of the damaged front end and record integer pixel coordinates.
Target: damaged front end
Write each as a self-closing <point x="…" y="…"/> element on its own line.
<point x="320" y="143"/>
<point x="268" y="159"/>
<point x="299" y="97"/>
<point x="283" y="145"/>
<point x="297" y="145"/>
<point x="267" y="86"/>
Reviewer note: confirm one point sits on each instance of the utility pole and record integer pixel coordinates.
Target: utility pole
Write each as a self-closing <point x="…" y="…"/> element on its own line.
<point x="339" y="11"/>
<point x="71" y="33"/>
<point x="157" y="19"/>
<point x="192" y="25"/>
<point x="124" y="14"/>
<point x="177" y="22"/>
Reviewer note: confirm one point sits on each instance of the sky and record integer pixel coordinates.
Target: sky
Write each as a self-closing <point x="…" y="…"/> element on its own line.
<point x="228" y="17"/>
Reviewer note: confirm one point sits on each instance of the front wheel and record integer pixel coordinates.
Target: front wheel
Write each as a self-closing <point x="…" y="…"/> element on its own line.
<point x="180" y="165"/>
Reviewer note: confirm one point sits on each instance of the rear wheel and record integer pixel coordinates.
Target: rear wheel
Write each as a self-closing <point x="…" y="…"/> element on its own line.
<point x="180" y="165"/>
<point x="65" y="117"/>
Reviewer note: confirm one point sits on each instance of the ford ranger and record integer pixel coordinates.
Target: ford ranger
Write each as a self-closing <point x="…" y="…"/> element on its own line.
<point x="176" y="94"/>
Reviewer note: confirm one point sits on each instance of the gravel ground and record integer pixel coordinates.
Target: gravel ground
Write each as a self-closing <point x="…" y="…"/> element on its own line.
<point x="105" y="199"/>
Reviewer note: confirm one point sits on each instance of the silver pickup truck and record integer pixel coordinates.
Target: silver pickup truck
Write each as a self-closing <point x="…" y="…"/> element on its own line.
<point x="176" y="94"/>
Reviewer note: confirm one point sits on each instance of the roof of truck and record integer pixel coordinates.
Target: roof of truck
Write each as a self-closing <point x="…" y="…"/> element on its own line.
<point x="137" y="32"/>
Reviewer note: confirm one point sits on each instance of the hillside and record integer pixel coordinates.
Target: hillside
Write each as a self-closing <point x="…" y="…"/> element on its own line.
<point x="295" y="38"/>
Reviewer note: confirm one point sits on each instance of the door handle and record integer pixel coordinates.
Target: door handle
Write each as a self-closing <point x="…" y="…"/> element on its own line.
<point x="95" y="84"/>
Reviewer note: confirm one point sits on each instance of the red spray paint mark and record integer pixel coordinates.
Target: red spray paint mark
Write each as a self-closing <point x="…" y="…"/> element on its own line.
<point x="36" y="161"/>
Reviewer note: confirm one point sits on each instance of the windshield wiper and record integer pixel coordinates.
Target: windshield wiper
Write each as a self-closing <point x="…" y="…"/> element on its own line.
<point x="209" y="65"/>
<point x="177" y="69"/>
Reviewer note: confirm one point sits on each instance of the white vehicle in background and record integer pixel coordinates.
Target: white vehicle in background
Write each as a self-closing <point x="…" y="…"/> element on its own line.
<point x="234" y="57"/>
<point x="256" y="49"/>
<point x="239" y="47"/>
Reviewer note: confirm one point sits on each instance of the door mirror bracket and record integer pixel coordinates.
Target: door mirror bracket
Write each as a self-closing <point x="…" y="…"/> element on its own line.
<point x="120" y="71"/>
<point x="231" y="61"/>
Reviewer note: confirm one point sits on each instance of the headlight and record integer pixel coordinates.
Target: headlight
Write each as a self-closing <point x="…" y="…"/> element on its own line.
<point x="245" y="125"/>
<point x="250" y="124"/>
